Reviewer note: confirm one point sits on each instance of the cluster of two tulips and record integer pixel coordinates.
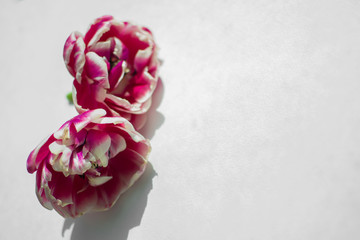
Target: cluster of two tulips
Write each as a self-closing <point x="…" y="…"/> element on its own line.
<point x="97" y="155"/>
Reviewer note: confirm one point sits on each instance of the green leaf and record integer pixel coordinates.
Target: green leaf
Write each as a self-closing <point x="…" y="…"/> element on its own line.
<point x="69" y="98"/>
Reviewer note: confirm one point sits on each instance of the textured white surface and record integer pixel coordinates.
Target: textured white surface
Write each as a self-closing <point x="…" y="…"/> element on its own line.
<point x="257" y="134"/>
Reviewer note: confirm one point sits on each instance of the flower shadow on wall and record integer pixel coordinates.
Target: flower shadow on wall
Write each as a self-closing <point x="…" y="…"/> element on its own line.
<point x="155" y="118"/>
<point x="129" y="209"/>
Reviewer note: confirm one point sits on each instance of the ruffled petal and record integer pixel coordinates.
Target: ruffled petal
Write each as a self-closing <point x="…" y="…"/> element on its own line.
<point x="97" y="29"/>
<point x="144" y="87"/>
<point x="79" y="122"/>
<point x="74" y="198"/>
<point x="103" y="49"/>
<point x="96" y="69"/>
<point x="38" y="155"/>
<point x="74" y="54"/>
<point x="98" y="144"/>
<point x="117" y="74"/>
<point x="118" y="144"/>
<point x="56" y="147"/>
<point x="43" y="176"/>
<point x="78" y="164"/>
<point x="61" y="189"/>
<point x="60" y="163"/>
<point x="123" y="105"/>
<point x="135" y="38"/>
<point x="142" y="58"/>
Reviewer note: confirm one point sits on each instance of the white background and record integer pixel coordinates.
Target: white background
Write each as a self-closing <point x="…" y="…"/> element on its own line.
<point x="256" y="135"/>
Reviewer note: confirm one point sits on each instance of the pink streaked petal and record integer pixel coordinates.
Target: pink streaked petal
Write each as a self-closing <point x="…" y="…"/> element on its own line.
<point x="115" y="29"/>
<point x="104" y="18"/>
<point x="61" y="162"/>
<point x="119" y="49"/>
<point x="68" y="48"/>
<point x="103" y="49"/>
<point x="154" y="64"/>
<point x="80" y="137"/>
<point x="79" y="58"/>
<point x="147" y="30"/>
<point x="38" y="155"/>
<point x="141" y="169"/>
<point x="69" y="45"/>
<point x="99" y="92"/>
<point x="56" y="147"/>
<point x="98" y="143"/>
<point x="89" y="156"/>
<point x="118" y="144"/>
<point x="78" y="164"/>
<point x="142" y="58"/>
<point x="84" y="198"/>
<point x="98" y="181"/>
<point x="100" y="26"/>
<point x="145" y="87"/>
<point x="89" y="97"/>
<point x="135" y="38"/>
<point x="137" y="120"/>
<point x="96" y="69"/>
<point x="123" y="105"/>
<point x="43" y="176"/>
<point x="78" y="107"/>
<point x="134" y="140"/>
<point x="82" y="120"/>
<point x="63" y="131"/>
<point x="61" y="189"/>
<point x="129" y="165"/>
<point x="115" y="100"/>
<point x="114" y="120"/>
<point x="123" y="168"/>
<point x="71" y="48"/>
<point x="117" y="74"/>
<point x="74" y="55"/>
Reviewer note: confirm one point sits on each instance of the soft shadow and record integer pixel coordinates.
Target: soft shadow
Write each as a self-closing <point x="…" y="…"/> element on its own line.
<point x="154" y="118"/>
<point x="116" y="222"/>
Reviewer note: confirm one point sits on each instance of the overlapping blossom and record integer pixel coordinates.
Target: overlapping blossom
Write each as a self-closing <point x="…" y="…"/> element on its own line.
<point x="115" y="67"/>
<point x="88" y="163"/>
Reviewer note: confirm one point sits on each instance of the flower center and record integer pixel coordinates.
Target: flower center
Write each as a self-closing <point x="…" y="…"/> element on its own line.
<point x="114" y="60"/>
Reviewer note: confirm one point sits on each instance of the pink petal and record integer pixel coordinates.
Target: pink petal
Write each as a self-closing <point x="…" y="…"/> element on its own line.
<point x="74" y="54"/>
<point x="118" y="144"/>
<point x="60" y="163"/>
<point x="122" y="105"/>
<point x="103" y="49"/>
<point x="117" y="74"/>
<point x="43" y="176"/>
<point x="61" y="189"/>
<point x="96" y="69"/>
<point x="125" y="168"/>
<point x="134" y="39"/>
<point x="97" y="29"/>
<point x="80" y="121"/>
<point x="38" y="154"/>
<point x="142" y="58"/>
<point x="144" y="87"/>
<point x="98" y="143"/>
<point x="78" y="164"/>
<point x="83" y="196"/>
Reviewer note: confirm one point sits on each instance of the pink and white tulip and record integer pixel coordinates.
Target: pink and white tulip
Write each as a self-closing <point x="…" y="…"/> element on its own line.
<point x="88" y="163"/>
<point x="115" y="67"/>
